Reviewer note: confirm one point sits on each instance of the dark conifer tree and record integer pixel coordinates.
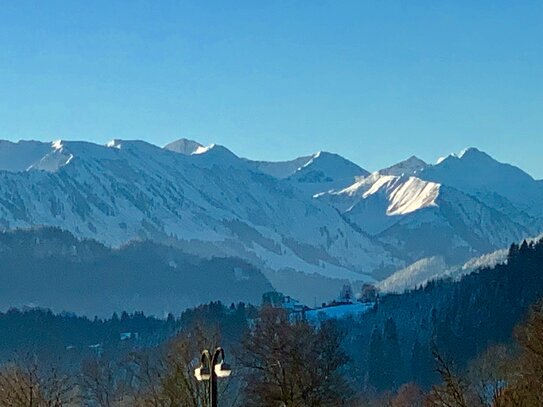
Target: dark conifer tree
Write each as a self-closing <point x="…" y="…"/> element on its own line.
<point x="376" y="376"/>
<point x="392" y="363"/>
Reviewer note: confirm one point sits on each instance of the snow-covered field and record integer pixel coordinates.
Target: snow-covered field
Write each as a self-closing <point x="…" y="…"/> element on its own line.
<point x="338" y="311"/>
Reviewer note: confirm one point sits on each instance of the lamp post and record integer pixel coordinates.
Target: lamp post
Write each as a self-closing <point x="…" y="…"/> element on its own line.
<point x="210" y="369"/>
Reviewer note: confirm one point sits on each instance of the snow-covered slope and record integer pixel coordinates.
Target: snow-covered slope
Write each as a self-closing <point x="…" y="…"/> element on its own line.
<point x="422" y="218"/>
<point x="376" y="202"/>
<point x="457" y="227"/>
<point x="501" y="186"/>
<point x="132" y="189"/>
<point x="319" y="215"/>
<point x="433" y="268"/>
<point x="414" y="275"/>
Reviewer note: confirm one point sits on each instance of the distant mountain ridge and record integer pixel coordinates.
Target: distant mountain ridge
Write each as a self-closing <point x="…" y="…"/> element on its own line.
<point x="316" y="217"/>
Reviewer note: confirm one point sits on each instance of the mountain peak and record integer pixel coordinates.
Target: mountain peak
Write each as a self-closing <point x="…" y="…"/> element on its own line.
<point x="469" y="154"/>
<point x="333" y="165"/>
<point x="326" y="171"/>
<point x="473" y="152"/>
<point x="410" y="166"/>
<point x="475" y="162"/>
<point x="184" y="146"/>
<point x="477" y="173"/>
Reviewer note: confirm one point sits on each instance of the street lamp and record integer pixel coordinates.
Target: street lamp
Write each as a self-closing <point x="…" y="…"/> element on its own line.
<point x="210" y="369"/>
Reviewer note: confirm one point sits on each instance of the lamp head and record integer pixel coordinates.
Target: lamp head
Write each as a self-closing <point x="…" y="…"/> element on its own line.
<point x="202" y="373"/>
<point x="223" y="369"/>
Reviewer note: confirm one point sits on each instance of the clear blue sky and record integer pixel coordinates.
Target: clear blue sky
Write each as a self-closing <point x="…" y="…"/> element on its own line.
<point x="375" y="81"/>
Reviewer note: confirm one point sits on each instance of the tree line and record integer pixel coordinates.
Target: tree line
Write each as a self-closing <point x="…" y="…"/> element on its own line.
<point x="278" y="362"/>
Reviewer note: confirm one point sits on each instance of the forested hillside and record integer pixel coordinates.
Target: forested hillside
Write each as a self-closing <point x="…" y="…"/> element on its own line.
<point x="50" y="268"/>
<point x="393" y="343"/>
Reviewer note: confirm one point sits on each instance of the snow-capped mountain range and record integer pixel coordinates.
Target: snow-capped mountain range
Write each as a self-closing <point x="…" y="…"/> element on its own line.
<point x="315" y="218"/>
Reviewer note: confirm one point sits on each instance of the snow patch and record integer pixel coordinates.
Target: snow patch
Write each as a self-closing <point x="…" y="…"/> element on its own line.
<point x="418" y="273"/>
<point x="115" y="143"/>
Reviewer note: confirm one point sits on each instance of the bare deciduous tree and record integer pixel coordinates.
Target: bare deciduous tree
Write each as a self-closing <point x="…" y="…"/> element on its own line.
<point x="25" y="385"/>
<point x="454" y="391"/>
<point x="525" y="387"/>
<point x="293" y="364"/>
